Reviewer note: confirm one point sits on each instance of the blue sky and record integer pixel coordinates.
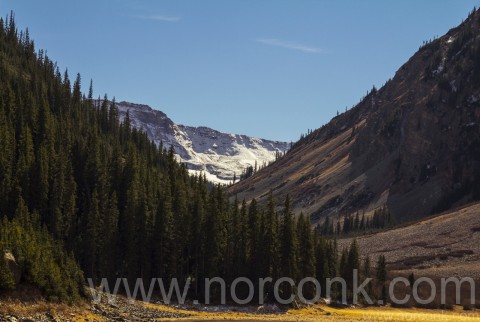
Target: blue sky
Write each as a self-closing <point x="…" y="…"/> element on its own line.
<point x="270" y="69"/>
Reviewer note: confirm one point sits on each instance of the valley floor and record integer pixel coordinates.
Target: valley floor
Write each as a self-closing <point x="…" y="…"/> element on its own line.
<point x="139" y="311"/>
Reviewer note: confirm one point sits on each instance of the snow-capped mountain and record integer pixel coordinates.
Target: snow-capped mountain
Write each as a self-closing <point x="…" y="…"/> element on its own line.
<point x="219" y="155"/>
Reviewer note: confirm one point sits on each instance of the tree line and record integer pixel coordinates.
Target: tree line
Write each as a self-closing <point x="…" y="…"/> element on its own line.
<point x="356" y="224"/>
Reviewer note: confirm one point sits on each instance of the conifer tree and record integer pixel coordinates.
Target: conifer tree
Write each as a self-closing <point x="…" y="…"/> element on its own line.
<point x="270" y="245"/>
<point x="288" y="246"/>
<point x="382" y="277"/>
<point x="306" y="254"/>
<point x="352" y="263"/>
<point x="253" y="229"/>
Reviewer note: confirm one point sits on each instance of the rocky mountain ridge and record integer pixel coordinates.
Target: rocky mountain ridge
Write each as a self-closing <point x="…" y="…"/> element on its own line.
<point x="413" y="145"/>
<point x="220" y="156"/>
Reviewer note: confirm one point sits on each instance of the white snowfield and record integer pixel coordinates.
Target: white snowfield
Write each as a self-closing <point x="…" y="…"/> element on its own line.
<point x="219" y="155"/>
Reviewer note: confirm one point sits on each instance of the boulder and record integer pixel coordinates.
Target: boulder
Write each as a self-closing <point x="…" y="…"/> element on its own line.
<point x="13" y="266"/>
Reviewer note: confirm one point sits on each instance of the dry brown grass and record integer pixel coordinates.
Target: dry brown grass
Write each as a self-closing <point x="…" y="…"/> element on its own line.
<point x="318" y="172"/>
<point x="60" y="311"/>
<point x="81" y="312"/>
<point x="443" y="246"/>
<point x="324" y="313"/>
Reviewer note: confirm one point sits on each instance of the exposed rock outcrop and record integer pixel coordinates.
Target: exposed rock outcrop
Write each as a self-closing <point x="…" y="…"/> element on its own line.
<point x="413" y="145"/>
<point x="13" y="266"/>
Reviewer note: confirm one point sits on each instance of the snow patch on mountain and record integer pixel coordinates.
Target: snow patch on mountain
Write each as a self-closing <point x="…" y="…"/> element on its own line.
<point x="219" y="155"/>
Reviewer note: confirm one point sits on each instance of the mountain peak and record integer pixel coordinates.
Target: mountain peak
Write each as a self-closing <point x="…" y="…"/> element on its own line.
<point x="221" y="156"/>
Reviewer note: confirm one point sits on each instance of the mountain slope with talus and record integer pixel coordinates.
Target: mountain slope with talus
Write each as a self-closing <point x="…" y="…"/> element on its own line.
<point x="220" y="156"/>
<point x="413" y="145"/>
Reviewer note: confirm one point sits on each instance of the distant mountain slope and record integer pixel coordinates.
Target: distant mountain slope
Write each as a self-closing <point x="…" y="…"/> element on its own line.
<point x="449" y="249"/>
<point x="413" y="145"/>
<point x="219" y="155"/>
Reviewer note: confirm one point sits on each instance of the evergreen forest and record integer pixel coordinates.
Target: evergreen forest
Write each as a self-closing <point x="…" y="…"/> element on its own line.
<point x="83" y="195"/>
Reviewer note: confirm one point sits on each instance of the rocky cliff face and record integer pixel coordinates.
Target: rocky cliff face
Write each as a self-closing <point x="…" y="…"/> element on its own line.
<point x="220" y="156"/>
<point x="413" y="145"/>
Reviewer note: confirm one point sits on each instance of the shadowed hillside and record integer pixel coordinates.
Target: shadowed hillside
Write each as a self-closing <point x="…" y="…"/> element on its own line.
<point x="413" y="145"/>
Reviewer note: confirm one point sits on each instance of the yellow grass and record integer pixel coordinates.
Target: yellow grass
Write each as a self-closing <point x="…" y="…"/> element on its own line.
<point x="401" y="315"/>
<point x="313" y="313"/>
<point x="77" y="313"/>
<point x="325" y="313"/>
